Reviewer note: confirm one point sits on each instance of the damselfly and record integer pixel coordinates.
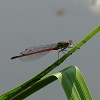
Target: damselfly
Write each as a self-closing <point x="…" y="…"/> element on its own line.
<point x="36" y="52"/>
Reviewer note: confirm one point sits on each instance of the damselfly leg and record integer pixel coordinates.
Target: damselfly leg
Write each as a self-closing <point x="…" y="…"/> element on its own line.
<point x="62" y="50"/>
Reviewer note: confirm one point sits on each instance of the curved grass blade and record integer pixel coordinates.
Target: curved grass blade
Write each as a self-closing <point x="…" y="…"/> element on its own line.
<point x="74" y="84"/>
<point x="26" y="85"/>
<point x="71" y="80"/>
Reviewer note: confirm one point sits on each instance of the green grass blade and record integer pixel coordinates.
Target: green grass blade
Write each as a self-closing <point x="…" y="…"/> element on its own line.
<point x="27" y="84"/>
<point x="74" y="84"/>
<point x="71" y="80"/>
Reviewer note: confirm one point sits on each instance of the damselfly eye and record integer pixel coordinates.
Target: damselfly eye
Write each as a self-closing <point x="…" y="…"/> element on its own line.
<point x="21" y="53"/>
<point x="70" y="42"/>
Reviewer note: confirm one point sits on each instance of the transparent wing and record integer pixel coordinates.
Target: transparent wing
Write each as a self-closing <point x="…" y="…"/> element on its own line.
<point x="38" y="52"/>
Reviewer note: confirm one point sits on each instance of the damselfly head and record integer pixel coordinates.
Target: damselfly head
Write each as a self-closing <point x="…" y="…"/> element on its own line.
<point x="70" y="42"/>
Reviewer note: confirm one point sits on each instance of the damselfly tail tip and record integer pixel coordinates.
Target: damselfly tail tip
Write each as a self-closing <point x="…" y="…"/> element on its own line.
<point x="14" y="57"/>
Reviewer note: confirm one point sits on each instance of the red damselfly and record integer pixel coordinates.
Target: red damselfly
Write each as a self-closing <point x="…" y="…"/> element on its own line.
<point x="36" y="52"/>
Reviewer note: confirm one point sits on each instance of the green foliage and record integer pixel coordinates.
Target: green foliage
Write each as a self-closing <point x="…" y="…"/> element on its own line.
<point x="71" y="80"/>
